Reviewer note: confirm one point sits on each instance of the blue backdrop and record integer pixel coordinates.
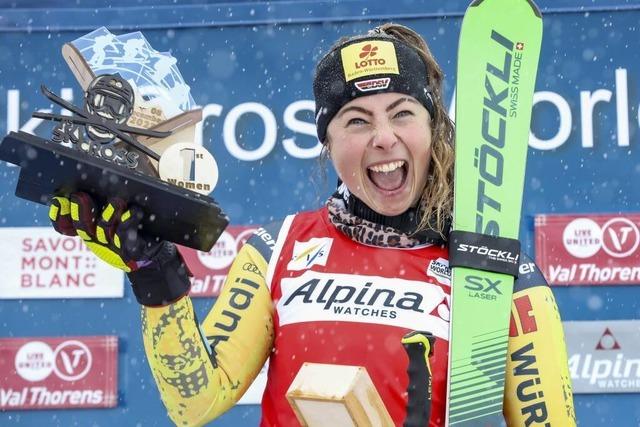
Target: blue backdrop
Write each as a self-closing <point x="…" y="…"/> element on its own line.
<point x="250" y="64"/>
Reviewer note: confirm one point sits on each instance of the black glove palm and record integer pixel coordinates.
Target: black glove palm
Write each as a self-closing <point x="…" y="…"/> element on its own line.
<point x="155" y="268"/>
<point x="113" y="236"/>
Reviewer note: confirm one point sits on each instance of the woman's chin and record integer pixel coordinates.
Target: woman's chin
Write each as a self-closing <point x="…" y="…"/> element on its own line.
<point x="394" y="212"/>
<point x="389" y="203"/>
<point x="387" y="207"/>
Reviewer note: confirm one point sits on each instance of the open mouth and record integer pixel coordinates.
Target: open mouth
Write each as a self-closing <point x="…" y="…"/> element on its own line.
<point x="389" y="176"/>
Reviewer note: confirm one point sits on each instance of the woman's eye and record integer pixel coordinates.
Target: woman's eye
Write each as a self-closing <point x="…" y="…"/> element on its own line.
<point x="356" y="121"/>
<point x="403" y="113"/>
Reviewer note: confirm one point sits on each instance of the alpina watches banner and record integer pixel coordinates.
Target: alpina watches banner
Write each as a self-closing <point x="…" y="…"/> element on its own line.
<point x="604" y="356"/>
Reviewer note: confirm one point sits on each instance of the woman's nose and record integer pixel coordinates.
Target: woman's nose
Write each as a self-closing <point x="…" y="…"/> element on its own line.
<point x="384" y="137"/>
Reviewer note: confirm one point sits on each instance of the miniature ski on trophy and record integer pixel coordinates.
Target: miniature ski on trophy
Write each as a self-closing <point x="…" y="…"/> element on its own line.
<point x="497" y="63"/>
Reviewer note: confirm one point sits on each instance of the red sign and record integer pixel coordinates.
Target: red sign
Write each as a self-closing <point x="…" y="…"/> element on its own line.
<point x="210" y="268"/>
<point x="58" y="373"/>
<point x="595" y="249"/>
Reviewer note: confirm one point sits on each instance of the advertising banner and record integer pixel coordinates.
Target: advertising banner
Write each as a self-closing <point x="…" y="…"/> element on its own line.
<point x="253" y="77"/>
<point x="604" y="356"/>
<point x="37" y="262"/>
<point x="209" y="269"/>
<point x="594" y="249"/>
<point x="58" y="373"/>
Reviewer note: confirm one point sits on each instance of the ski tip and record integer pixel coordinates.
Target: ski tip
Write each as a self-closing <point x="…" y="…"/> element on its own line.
<point x="531" y="3"/>
<point x="534" y="6"/>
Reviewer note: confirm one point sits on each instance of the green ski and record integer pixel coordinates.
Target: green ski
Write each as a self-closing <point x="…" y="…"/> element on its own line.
<point x="497" y="63"/>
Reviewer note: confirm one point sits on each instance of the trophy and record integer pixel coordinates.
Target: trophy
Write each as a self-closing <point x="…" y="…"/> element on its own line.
<point x="336" y="395"/>
<point x="327" y="395"/>
<point x="132" y="138"/>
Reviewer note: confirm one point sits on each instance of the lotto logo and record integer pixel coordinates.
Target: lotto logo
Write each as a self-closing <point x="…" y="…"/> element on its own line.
<point x="368" y="59"/>
<point x="368" y="51"/>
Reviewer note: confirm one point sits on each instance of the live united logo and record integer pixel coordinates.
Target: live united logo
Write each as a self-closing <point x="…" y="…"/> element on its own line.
<point x="315" y="296"/>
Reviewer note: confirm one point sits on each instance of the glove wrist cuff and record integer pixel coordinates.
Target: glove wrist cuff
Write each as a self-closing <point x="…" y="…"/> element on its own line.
<point x="165" y="281"/>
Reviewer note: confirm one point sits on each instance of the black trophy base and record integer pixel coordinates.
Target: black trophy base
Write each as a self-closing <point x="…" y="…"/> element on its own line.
<point x="175" y="214"/>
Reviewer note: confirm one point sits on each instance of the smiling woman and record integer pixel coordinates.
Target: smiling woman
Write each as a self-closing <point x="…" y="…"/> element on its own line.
<point x="402" y="137"/>
<point x="381" y="146"/>
<point x="345" y="284"/>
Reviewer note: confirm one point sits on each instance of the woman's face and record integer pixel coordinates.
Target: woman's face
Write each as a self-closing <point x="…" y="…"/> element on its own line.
<point x="380" y="146"/>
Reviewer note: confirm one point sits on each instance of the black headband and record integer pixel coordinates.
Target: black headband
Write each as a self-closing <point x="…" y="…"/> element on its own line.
<point x="364" y="66"/>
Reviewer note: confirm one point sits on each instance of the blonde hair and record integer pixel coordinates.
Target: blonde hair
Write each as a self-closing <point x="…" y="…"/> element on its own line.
<point x="436" y="201"/>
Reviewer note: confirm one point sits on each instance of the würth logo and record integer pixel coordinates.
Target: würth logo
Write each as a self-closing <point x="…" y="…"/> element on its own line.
<point x="368" y="51"/>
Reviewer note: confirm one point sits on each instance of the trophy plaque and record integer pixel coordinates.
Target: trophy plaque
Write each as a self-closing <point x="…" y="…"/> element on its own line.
<point x="323" y="395"/>
<point x="132" y="138"/>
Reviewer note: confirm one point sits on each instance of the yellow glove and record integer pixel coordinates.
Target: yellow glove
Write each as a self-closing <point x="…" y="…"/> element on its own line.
<point x="112" y="236"/>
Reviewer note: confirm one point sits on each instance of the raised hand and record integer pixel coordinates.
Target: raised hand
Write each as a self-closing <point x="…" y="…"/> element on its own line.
<point x="112" y="235"/>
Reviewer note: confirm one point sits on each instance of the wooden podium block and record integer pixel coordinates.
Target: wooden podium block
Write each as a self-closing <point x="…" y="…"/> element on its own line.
<point x="336" y="395"/>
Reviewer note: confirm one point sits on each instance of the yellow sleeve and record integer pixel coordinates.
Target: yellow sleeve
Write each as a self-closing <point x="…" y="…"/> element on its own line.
<point x="538" y="385"/>
<point x="201" y="371"/>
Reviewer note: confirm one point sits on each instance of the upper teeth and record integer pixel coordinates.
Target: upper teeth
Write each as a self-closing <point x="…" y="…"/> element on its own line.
<point x="387" y="167"/>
